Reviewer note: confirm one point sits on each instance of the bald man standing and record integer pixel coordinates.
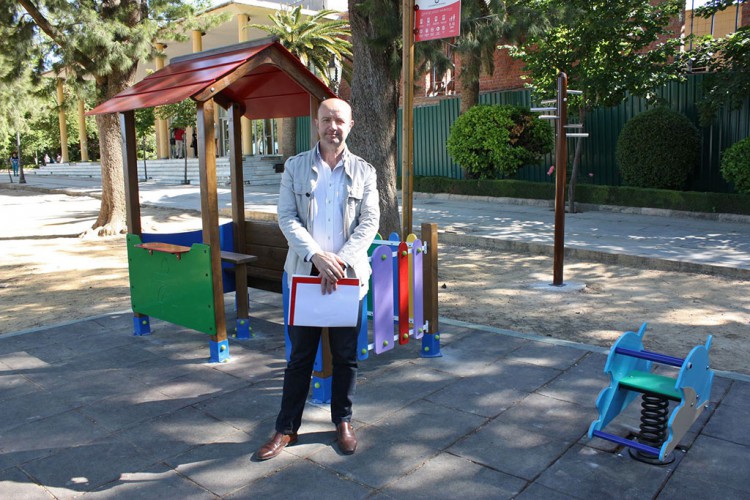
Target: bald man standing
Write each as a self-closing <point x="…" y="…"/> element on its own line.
<point x="329" y="213"/>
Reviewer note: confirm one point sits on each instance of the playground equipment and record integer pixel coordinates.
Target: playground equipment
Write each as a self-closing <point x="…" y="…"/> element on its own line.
<point x="178" y="288"/>
<point x="180" y="279"/>
<point x="399" y="304"/>
<point x="629" y="369"/>
<point x="560" y="115"/>
<point x="256" y="80"/>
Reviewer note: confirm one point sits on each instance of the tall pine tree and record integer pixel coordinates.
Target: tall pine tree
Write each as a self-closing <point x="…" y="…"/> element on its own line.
<point x="102" y="40"/>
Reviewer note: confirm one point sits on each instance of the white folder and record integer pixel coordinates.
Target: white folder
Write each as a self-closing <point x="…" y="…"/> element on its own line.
<point x="308" y="306"/>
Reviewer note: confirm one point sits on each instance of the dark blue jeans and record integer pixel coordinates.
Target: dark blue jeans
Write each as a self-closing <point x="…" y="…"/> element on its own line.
<point x="305" y="340"/>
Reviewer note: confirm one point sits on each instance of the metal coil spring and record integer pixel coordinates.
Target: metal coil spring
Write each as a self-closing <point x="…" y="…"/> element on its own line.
<point x="654" y="411"/>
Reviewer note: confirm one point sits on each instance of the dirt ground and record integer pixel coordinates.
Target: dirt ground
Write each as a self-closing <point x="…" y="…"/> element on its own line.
<point x="48" y="275"/>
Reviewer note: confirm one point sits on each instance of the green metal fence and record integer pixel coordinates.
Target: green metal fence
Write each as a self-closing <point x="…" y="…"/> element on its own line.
<point x="598" y="166"/>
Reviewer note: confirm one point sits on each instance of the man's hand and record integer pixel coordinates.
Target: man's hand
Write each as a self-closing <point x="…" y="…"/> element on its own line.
<point x="331" y="269"/>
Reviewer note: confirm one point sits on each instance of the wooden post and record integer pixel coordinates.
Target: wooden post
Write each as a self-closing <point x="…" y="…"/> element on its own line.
<point x="210" y="209"/>
<point x="130" y="172"/>
<point x="314" y="105"/>
<point x="82" y="138"/>
<point x="561" y="162"/>
<point x="407" y="122"/>
<point x="430" y="276"/>
<point x="238" y="205"/>
<point x="62" y="121"/>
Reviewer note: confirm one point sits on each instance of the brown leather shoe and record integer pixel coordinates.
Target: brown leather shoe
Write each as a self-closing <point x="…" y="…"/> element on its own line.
<point x="273" y="447"/>
<point x="346" y="438"/>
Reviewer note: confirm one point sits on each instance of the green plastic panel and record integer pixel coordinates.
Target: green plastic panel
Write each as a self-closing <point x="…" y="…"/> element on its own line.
<point x="179" y="291"/>
<point x="651" y="382"/>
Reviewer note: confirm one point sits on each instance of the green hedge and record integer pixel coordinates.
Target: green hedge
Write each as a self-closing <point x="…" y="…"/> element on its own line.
<point x="688" y="201"/>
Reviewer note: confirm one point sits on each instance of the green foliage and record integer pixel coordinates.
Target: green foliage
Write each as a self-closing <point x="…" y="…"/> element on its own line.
<point x="180" y="115"/>
<point x="687" y="201"/>
<point x="735" y="165"/>
<point x="484" y="24"/>
<point x="658" y="149"/>
<point x="495" y="141"/>
<point x="315" y="40"/>
<point x="607" y="48"/>
<point x="728" y="63"/>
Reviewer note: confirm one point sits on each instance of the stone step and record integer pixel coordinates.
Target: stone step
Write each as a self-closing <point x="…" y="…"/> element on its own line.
<point x="256" y="171"/>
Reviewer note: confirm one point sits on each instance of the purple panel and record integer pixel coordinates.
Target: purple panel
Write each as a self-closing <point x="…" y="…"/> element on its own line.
<point x="418" y="289"/>
<point x="382" y="298"/>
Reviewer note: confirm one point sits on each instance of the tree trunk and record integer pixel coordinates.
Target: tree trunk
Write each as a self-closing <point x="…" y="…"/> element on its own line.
<point x="576" y="166"/>
<point x="374" y="103"/>
<point x="468" y="81"/>
<point x="289" y="137"/>
<point x="112" y="213"/>
<point x="469" y="94"/>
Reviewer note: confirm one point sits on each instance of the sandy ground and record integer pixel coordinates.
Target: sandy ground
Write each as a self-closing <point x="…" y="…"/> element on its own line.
<point x="48" y="275"/>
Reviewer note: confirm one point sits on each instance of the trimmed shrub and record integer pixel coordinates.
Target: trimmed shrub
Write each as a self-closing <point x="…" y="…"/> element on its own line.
<point x="735" y="165"/>
<point x="658" y="149"/>
<point x="495" y="141"/>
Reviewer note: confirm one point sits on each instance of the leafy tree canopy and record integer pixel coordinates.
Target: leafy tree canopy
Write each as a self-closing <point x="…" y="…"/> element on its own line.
<point x="728" y="62"/>
<point x="608" y="49"/>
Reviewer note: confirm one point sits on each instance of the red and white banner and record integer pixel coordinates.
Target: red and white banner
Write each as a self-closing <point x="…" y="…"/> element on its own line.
<point x="435" y="19"/>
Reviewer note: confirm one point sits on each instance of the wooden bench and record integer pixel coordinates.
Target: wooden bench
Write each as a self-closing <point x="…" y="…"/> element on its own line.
<point x="265" y="241"/>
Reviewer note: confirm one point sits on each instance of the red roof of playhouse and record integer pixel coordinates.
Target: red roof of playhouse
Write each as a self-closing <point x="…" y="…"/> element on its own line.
<point x="267" y="79"/>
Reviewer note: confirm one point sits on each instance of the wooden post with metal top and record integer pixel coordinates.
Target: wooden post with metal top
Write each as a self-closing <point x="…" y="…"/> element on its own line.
<point x="561" y="162"/>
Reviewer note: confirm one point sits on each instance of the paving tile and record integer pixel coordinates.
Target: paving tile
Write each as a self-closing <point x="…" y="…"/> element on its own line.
<point x="546" y="354"/>
<point x="729" y="424"/>
<point x="738" y="396"/>
<point x="174" y="433"/>
<point x="556" y="418"/>
<point x="381" y="456"/>
<point x="490" y="393"/>
<point x="430" y="424"/>
<point x="581" y="383"/>
<point x="713" y="468"/>
<point x="448" y="476"/>
<point x="14" y="483"/>
<point x="225" y="465"/>
<point x="48" y="436"/>
<point x="28" y="408"/>
<point x="511" y="449"/>
<point x="536" y="491"/>
<point x="203" y="384"/>
<point x="387" y="391"/>
<point x="473" y="353"/>
<point x="158" y="481"/>
<point x="13" y="385"/>
<point x="83" y="468"/>
<point x="242" y="408"/>
<point x="21" y="362"/>
<point x="86" y="387"/>
<point x="587" y="473"/>
<point x="128" y="409"/>
<point x="294" y="482"/>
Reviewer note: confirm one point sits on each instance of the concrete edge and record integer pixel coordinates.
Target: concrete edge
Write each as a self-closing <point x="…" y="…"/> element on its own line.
<point x="589" y="207"/>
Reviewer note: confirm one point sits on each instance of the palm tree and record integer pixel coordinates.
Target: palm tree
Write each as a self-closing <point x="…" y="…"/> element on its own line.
<point x="317" y="41"/>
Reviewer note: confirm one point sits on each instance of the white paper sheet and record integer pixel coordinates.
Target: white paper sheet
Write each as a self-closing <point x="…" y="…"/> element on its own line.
<point x="309" y="307"/>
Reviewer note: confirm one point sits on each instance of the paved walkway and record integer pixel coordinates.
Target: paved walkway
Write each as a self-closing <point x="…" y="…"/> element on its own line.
<point x="88" y="408"/>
